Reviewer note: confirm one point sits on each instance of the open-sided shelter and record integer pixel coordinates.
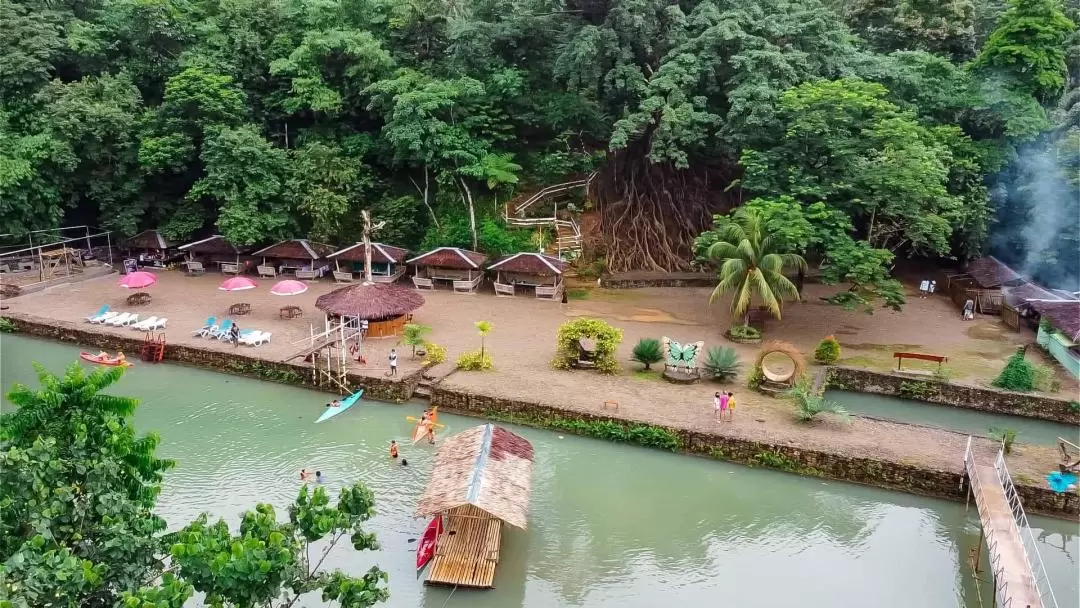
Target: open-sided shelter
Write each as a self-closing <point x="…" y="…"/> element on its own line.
<point x="213" y="250"/>
<point x="462" y="268"/>
<point x="982" y="282"/>
<point x="303" y="258"/>
<point x="537" y="271"/>
<point x="482" y="478"/>
<point x="151" y="248"/>
<point x="385" y="306"/>
<point x="387" y="262"/>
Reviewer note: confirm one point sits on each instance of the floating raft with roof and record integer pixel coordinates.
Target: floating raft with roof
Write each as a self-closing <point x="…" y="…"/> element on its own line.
<point x="482" y="479"/>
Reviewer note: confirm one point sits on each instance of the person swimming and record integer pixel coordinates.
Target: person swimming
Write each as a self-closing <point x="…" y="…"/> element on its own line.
<point x="393" y="449"/>
<point x="304" y="475"/>
<point x="319" y="477"/>
<point x="120" y="356"/>
<point x="404" y="462"/>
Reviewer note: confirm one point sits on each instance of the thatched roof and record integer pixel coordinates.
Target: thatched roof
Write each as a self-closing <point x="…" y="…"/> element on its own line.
<point x="487" y="467"/>
<point x="1027" y="292"/>
<point x="450" y="257"/>
<point x="296" y="249"/>
<point x="990" y="272"/>
<point x="371" y="302"/>
<point x="212" y="245"/>
<point x="147" y="239"/>
<point x="1063" y="316"/>
<point x="380" y="253"/>
<point x="530" y="263"/>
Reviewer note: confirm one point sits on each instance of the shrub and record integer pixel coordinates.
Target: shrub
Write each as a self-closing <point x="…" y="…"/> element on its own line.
<point x="744" y="332"/>
<point x="568" y="342"/>
<point x="413" y="335"/>
<point x="435" y="354"/>
<point x="722" y="363"/>
<point x="809" y="404"/>
<point x="474" y="361"/>
<point x="1074" y="406"/>
<point x="828" y="351"/>
<point x="6" y="326"/>
<point x="1005" y="436"/>
<point x="1044" y="378"/>
<point x="1018" y="375"/>
<point x="647" y="351"/>
<point x="757" y="376"/>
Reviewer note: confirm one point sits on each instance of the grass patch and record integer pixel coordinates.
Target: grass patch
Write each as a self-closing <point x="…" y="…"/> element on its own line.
<point x="646" y="375"/>
<point x="577" y="293"/>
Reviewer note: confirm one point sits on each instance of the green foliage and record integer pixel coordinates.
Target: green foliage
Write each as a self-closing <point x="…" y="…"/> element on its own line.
<point x="568" y="344"/>
<point x="435" y="354"/>
<point x="827" y="351"/>
<point x="7" y="326"/>
<point x="474" y="361"/>
<point x="756" y="377"/>
<point x="1018" y="374"/>
<point x="809" y="404"/>
<point x="647" y="351"/>
<point x="646" y="435"/>
<point x="266" y="371"/>
<point x="777" y="460"/>
<point x="1044" y="378"/>
<point x="743" y="332"/>
<point x="1074" y="406"/>
<point x="919" y="391"/>
<point x="413" y="335"/>
<point x="722" y="363"/>
<point x="1004" y="436"/>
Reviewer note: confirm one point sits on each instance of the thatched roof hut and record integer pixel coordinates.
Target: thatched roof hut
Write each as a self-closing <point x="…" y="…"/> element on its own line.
<point x="212" y="246"/>
<point x="380" y="254"/>
<point x="989" y="272"/>
<point x="487" y="467"/>
<point x="296" y="249"/>
<point x="460" y="266"/>
<point x="539" y="264"/>
<point x="373" y="302"/>
<point x="148" y="239"/>
<point x="1063" y="315"/>
<point x="539" y="271"/>
<point x="450" y="257"/>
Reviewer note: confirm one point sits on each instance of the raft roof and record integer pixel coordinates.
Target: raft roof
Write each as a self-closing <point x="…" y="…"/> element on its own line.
<point x="148" y="239"/>
<point x="215" y="244"/>
<point x="380" y="253"/>
<point x="530" y="263"/>
<point x="296" y="249"/>
<point x="487" y="467"/>
<point x="450" y="257"/>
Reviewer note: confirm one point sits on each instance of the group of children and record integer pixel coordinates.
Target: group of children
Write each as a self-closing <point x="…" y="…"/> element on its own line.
<point x="305" y="476"/>
<point x="724" y="403"/>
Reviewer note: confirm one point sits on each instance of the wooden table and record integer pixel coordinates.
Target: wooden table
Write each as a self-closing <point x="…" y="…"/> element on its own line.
<point x="290" y="312"/>
<point x="139" y="298"/>
<point x="239" y="309"/>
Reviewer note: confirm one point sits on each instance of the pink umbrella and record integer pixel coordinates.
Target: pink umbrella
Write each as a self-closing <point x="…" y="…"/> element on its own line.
<point x="237" y="284"/>
<point x="138" y="280"/>
<point x="288" y="288"/>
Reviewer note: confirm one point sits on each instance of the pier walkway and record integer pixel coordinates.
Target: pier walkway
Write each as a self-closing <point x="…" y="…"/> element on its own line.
<point x="1017" y="571"/>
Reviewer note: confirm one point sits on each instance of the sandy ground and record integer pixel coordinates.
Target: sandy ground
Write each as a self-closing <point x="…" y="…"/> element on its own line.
<point x="523" y="342"/>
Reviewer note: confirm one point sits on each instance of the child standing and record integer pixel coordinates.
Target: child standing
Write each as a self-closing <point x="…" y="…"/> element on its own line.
<point x="730" y="405"/>
<point x="716" y="406"/>
<point x="393" y="449"/>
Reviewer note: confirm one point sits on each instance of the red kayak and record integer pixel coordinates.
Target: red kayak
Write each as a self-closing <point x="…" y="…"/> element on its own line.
<point x="426" y="549"/>
<point x="103" y="360"/>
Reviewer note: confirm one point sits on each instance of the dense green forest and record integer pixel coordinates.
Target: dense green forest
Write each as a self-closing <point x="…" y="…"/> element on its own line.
<point x="933" y="128"/>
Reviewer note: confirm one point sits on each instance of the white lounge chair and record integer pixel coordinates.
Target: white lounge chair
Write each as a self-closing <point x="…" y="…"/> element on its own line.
<point x="121" y="318"/>
<point x="131" y="320"/>
<point x="249" y="336"/>
<point x="263" y="338"/>
<point x="101" y="311"/>
<point x="160" y="323"/>
<point x="105" y="317"/>
<point x="144" y="324"/>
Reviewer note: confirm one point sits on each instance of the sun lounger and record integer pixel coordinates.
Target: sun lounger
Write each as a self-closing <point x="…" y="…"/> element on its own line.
<point x="160" y="324"/>
<point x="131" y="320"/>
<point x="101" y="311"/>
<point x="262" y="338"/>
<point x="105" y="317"/>
<point x="120" y="318"/>
<point x="210" y="325"/>
<point x="223" y="331"/>
<point x="249" y="336"/>
<point x="144" y="324"/>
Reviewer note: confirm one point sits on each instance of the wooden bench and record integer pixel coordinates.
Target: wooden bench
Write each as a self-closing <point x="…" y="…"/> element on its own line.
<point x="504" y="289"/>
<point x="306" y="275"/>
<point x="230" y="268"/>
<point x="240" y="309"/>
<point x="290" y="312"/>
<point x="468" y="286"/>
<point x="389" y="278"/>
<point x="266" y="270"/>
<point x="918" y="356"/>
<point x="195" y="268"/>
<point x="422" y="283"/>
<point x="343" y="277"/>
<point x="549" y="292"/>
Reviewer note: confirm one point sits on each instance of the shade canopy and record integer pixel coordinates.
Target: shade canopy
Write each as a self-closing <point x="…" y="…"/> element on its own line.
<point x="450" y="257"/>
<point x="371" y="301"/>
<point x="288" y="288"/>
<point x="296" y="249"/>
<point x="487" y="467"/>
<point x="138" y="280"/>
<point x="214" y="245"/>
<point x="237" y="284"/>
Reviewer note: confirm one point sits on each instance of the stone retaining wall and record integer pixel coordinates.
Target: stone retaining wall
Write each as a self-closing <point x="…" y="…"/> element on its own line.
<point x="956" y="395"/>
<point x="868" y="471"/>
<point x="230" y="362"/>
<point x="674" y="279"/>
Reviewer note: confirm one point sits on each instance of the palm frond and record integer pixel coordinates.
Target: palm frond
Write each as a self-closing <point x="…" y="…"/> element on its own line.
<point x="757" y="282"/>
<point x="721" y="251"/>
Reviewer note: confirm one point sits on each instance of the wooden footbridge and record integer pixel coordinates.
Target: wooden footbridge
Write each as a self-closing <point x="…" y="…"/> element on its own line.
<point x="1016" y="568"/>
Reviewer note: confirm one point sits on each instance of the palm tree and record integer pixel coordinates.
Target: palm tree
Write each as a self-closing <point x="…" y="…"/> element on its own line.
<point x="751" y="265"/>
<point x="483" y="328"/>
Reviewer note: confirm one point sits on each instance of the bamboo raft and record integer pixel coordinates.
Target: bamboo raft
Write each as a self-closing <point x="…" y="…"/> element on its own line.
<point x="467" y="550"/>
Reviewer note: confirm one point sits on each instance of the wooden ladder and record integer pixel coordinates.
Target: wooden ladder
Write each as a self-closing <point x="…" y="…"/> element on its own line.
<point x="153" y="348"/>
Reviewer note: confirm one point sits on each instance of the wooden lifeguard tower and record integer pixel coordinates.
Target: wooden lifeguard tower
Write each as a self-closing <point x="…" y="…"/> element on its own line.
<point x="482" y="479"/>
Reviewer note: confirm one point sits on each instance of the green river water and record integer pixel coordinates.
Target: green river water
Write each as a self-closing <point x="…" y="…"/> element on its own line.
<point x="609" y="525"/>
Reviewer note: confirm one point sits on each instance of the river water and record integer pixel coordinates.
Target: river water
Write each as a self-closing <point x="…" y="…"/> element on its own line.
<point x="1029" y="430"/>
<point x="609" y="525"/>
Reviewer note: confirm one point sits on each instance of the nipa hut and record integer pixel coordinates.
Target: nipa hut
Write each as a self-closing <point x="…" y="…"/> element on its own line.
<point x="386" y="307"/>
<point x="482" y="478"/>
<point x="213" y="250"/>
<point x="304" y="259"/>
<point x="459" y="267"/>
<point x="529" y="271"/>
<point x="1060" y="335"/>
<point x="981" y="282"/>
<point x="387" y="263"/>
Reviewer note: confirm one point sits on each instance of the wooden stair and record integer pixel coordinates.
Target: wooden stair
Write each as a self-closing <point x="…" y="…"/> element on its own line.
<point x="153" y="348"/>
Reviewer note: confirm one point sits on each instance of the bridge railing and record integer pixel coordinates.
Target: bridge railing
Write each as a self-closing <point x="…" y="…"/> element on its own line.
<point x="1028" y="544"/>
<point x="1001" y="583"/>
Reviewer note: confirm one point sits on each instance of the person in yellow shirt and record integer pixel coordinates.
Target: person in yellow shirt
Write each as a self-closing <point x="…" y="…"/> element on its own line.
<point x="730" y="404"/>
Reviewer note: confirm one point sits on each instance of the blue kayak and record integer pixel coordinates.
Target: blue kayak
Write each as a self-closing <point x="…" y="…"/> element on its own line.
<point x="345" y="403"/>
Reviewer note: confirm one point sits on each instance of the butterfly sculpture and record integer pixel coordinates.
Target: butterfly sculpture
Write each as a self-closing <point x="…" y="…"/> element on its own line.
<point x="681" y="355"/>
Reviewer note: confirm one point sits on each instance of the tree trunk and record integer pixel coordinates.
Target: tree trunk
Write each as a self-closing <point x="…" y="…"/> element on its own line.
<point x="472" y="210"/>
<point x="367" y="247"/>
<point x="424" y="194"/>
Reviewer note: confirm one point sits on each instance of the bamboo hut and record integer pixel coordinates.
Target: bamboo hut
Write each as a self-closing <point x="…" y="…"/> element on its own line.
<point x="386" y="307"/>
<point x="150" y="248"/>
<point x="387" y="262"/>
<point x="536" y="271"/>
<point x="482" y="478"/>
<point x="982" y="282"/>
<point x="305" y="259"/>
<point x="213" y="250"/>
<point x="459" y="267"/>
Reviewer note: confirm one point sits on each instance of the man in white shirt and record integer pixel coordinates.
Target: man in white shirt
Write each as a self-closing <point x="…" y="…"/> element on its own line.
<point x="393" y="362"/>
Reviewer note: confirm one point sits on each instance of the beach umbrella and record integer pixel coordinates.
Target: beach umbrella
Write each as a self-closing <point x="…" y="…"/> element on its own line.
<point x="288" y="288"/>
<point x="138" y="280"/>
<point x="237" y="284"/>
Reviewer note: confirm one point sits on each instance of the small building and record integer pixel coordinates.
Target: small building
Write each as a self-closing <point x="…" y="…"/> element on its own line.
<point x="213" y="250"/>
<point x="387" y="262"/>
<point x="150" y="248"/>
<point x="1060" y="335"/>
<point x="462" y="268"/>
<point x="304" y="259"/>
<point x="384" y="306"/>
<point x="541" y="273"/>
<point x="982" y="282"/>
<point x="482" y="479"/>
